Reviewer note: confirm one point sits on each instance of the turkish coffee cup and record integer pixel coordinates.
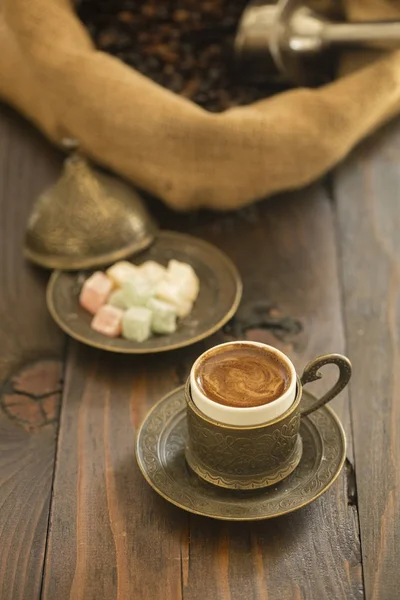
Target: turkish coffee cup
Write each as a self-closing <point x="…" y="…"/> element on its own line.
<point x="244" y="405"/>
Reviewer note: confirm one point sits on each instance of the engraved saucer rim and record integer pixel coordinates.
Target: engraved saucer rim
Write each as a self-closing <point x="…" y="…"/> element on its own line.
<point x="341" y="438"/>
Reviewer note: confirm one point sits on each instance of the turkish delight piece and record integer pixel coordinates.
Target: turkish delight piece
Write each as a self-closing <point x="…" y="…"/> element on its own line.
<point x="136" y="324"/>
<point x="152" y="271"/>
<point x="121" y="271"/>
<point x="137" y="291"/>
<point x="184" y="308"/>
<point x="117" y="299"/>
<point x="95" y="292"/>
<point x="184" y="276"/>
<point x="170" y="292"/>
<point x="108" y="321"/>
<point x="164" y="316"/>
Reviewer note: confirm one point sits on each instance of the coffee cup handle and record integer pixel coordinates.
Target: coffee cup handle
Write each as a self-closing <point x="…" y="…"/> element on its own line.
<point x="311" y="373"/>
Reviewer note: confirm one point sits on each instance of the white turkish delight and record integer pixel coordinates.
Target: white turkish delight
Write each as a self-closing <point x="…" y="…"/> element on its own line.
<point x="152" y="272"/>
<point x="121" y="271"/>
<point x="184" y="276"/>
<point x="171" y="292"/>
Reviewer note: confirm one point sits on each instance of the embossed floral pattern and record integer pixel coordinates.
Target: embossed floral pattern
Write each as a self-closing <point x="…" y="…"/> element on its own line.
<point x="235" y="454"/>
<point x="161" y="458"/>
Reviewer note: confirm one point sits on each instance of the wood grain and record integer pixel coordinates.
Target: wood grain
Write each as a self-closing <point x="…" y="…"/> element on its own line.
<point x="286" y="253"/>
<point x="367" y="190"/>
<point x="30" y="351"/>
<point x="111" y="536"/>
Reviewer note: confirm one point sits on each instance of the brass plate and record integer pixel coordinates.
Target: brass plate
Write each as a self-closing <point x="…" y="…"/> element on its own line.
<point x="160" y="455"/>
<point x="218" y="300"/>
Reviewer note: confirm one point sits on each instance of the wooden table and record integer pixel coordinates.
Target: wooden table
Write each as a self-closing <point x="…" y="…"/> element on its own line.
<point x="77" y="519"/>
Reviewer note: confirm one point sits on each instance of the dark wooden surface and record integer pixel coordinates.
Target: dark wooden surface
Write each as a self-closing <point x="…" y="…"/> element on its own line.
<point x="78" y="521"/>
<point x="368" y="200"/>
<point x="30" y="353"/>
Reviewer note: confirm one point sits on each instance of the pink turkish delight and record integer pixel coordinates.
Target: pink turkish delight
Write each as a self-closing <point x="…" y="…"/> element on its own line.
<point x="108" y="321"/>
<point x="95" y="292"/>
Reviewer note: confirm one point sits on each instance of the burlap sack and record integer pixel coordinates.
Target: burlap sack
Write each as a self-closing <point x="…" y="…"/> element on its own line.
<point x="51" y="72"/>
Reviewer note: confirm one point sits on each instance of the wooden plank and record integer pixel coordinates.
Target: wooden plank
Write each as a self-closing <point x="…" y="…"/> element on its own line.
<point x="110" y="535"/>
<point x="286" y="252"/>
<point x="30" y="367"/>
<point x="367" y="189"/>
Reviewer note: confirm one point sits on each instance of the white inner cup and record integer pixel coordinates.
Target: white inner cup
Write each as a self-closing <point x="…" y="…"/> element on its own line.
<point x="246" y="416"/>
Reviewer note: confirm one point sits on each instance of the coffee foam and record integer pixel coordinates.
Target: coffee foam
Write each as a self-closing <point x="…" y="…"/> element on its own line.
<point x="242" y="375"/>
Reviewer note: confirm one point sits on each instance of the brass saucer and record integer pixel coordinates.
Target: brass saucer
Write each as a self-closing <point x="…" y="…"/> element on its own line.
<point x="160" y="455"/>
<point x="218" y="300"/>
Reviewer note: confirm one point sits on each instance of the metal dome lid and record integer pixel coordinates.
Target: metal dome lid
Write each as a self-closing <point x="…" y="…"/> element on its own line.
<point x="87" y="219"/>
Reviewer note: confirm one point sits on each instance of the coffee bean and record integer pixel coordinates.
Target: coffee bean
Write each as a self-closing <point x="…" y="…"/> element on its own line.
<point x="181" y="15"/>
<point x="184" y="45"/>
<point x="126" y="17"/>
<point x="148" y="10"/>
<point x="107" y="39"/>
